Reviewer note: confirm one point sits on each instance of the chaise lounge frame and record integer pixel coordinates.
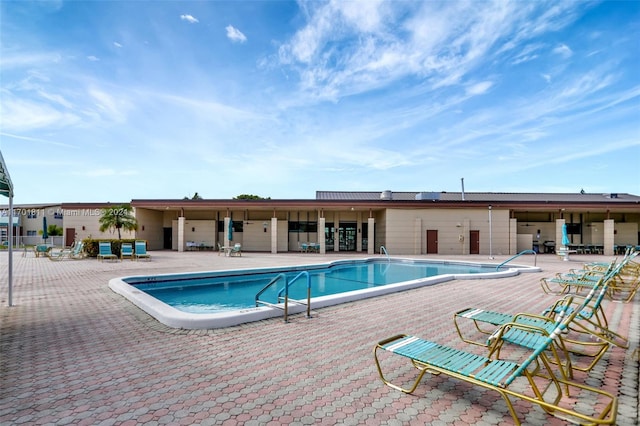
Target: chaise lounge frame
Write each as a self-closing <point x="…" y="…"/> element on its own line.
<point x="492" y="373"/>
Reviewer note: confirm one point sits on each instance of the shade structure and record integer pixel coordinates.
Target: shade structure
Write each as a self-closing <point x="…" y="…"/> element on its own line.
<point x="6" y="189"/>
<point x="565" y="237"/>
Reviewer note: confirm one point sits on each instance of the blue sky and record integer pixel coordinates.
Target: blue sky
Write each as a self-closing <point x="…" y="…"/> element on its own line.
<point x="120" y="100"/>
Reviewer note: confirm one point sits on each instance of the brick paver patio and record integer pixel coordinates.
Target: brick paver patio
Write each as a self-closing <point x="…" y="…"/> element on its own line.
<point x="74" y="352"/>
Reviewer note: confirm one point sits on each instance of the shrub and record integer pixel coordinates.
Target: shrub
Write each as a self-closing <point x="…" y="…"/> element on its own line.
<point x="91" y="246"/>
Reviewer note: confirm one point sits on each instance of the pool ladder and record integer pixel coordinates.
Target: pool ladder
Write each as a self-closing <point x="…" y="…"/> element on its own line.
<point x="283" y="294"/>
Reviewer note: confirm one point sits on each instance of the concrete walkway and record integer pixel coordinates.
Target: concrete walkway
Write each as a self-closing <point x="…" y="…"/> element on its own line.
<point x="74" y="352"/>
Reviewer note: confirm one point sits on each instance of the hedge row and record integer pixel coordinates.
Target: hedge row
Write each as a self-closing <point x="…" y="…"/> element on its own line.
<point x="91" y="246"/>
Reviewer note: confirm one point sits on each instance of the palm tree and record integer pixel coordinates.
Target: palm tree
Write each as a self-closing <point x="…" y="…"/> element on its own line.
<point x="119" y="217"/>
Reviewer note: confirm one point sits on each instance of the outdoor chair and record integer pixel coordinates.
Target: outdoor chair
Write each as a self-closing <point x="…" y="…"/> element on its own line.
<point x="104" y="251"/>
<point x="42" y="250"/>
<point x="141" y="251"/>
<point x="587" y="335"/>
<point x="126" y="250"/>
<point x="531" y="377"/>
<point x="76" y="251"/>
<point x="236" y="250"/>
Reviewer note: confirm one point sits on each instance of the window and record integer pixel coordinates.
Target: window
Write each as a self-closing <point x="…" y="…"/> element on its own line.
<point x="238" y="226"/>
<point x="574" y="228"/>
<point x="303" y="226"/>
<point x="32" y="233"/>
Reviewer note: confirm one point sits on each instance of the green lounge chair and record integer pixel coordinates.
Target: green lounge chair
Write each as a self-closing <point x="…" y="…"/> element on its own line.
<point x="531" y="378"/>
<point x="104" y="251"/>
<point x="141" y="251"/>
<point x="126" y="250"/>
<point x="76" y="251"/>
<point x="588" y="335"/>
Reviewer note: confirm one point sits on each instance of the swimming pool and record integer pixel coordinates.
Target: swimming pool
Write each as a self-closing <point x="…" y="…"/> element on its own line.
<point x="219" y="299"/>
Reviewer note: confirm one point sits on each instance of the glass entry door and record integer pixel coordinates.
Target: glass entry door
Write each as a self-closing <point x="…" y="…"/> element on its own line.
<point x="347" y="234"/>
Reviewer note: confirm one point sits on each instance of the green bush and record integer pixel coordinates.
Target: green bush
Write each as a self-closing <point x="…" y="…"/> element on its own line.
<point x="91" y="246"/>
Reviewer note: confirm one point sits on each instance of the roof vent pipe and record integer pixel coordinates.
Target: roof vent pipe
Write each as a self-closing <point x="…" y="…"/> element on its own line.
<point x="462" y="182"/>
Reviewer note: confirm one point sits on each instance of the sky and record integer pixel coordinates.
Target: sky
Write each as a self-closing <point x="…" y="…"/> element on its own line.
<point x="109" y="101"/>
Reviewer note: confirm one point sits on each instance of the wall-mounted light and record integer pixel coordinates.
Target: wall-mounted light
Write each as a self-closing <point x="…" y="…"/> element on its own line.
<point x="538" y="234"/>
<point x="264" y="226"/>
<point x="83" y="227"/>
<point x="193" y="229"/>
<point x="143" y="227"/>
<point x="458" y="225"/>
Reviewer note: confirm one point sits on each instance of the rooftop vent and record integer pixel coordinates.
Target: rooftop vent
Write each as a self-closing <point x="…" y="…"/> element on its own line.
<point x="432" y="196"/>
<point x="386" y="195"/>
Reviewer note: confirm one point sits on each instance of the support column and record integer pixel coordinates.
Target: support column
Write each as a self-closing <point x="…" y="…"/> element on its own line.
<point x="336" y="232"/>
<point x="181" y="233"/>
<point x="513" y="236"/>
<point x="274" y="235"/>
<point x="321" y="240"/>
<point x="466" y="235"/>
<point x="227" y="240"/>
<point x="417" y="236"/>
<point x="559" y="223"/>
<point x="609" y="237"/>
<point x="371" y="243"/>
<point x="358" y="233"/>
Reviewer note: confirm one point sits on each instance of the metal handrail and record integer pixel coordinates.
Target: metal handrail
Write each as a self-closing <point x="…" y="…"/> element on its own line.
<point x="273" y="281"/>
<point x="285" y="289"/>
<point x="535" y="258"/>
<point x="383" y="249"/>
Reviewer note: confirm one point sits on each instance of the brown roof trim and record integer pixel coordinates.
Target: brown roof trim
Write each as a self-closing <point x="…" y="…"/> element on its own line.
<point x="382" y="204"/>
<point x="75" y="206"/>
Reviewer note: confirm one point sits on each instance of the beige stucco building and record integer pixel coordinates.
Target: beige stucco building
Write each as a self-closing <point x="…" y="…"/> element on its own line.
<point x="400" y="223"/>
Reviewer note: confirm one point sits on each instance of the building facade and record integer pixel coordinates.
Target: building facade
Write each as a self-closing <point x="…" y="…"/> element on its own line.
<point x="398" y="223"/>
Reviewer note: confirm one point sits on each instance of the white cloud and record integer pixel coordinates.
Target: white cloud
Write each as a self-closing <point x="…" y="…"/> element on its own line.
<point x="235" y="34"/>
<point x="563" y="50"/>
<point x="93" y="58"/>
<point x="189" y="19"/>
<point x="21" y="60"/>
<point x="109" y="106"/>
<point x="348" y="48"/>
<point x="116" y="44"/>
<point x="40" y="140"/>
<point x="479" y="88"/>
<point x="20" y="115"/>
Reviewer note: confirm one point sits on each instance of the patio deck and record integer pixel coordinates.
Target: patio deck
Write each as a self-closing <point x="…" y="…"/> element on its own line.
<point x="74" y="352"/>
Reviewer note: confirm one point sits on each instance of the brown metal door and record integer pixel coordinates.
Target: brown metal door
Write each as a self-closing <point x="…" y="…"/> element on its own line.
<point x="432" y="241"/>
<point x="69" y="236"/>
<point x="474" y="242"/>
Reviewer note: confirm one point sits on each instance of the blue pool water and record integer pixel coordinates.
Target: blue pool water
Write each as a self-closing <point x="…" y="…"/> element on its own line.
<point x="219" y="299"/>
<point x="237" y="290"/>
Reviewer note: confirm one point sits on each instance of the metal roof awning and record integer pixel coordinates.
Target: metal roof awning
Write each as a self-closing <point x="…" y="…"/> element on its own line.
<point x="4" y="221"/>
<point x="6" y="187"/>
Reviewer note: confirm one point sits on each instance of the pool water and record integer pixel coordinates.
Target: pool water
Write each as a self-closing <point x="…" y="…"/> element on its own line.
<point x="214" y="294"/>
<point x="217" y="299"/>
